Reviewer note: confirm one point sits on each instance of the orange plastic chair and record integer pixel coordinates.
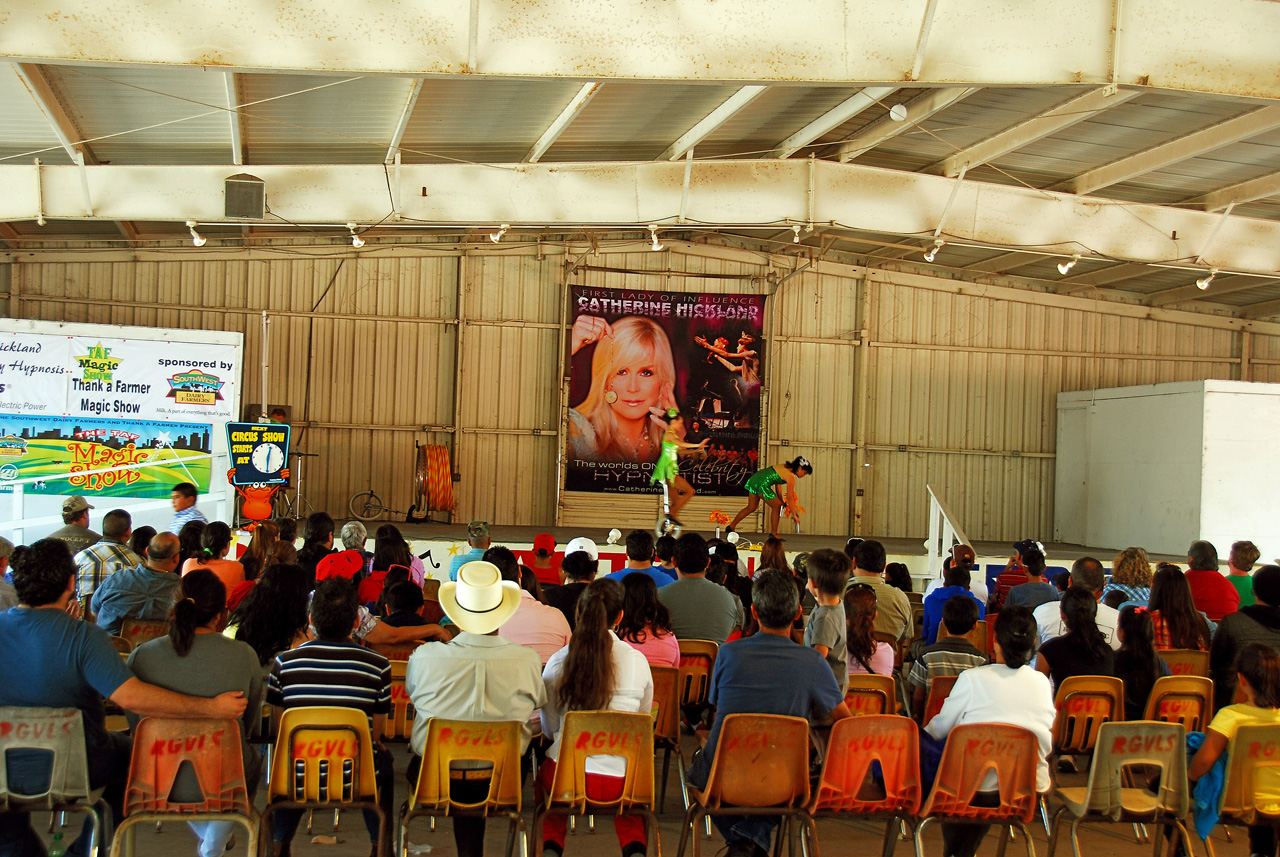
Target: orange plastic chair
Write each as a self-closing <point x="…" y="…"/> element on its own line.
<point x="855" y="743"/>
<point x="1186" y="661"/>
<point x="1084" y="703"/>
<point x="324" y="760"/>
<point x="697" y="658"/>
<point x="122" y="645"/>
<point x="399" y="723"/>
<point x="208" y="749"/>
<point x="1253" y="764"/>
<point x="431" y="590"/>
<point x="397" y="651"/>
<point x="972" y="751"/>
<point x="57" y="736"/>
<point x="871" y="694"/>
<point x="939" y="690"/>
<point x="980" y="637"/>
<point x="139" y="631"/>
<point x="472" y="746"/>
<point x="1185" y="699"/>
<point x="761" y="767"/>
<point x="1107" y="798"/>
<point x="611" y="733"/>
<point x="666" y="728"/>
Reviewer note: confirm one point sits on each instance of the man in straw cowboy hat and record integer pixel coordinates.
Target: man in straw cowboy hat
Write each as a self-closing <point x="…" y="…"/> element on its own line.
<point x="477" y="676"/>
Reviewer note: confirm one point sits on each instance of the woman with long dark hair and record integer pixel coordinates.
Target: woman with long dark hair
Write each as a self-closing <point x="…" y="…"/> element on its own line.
<point x="595" y="671"/>
<point x="1137" y="663"/>
<point x="867" y="655"/>
<point x="1082" y="649"/>
<point x="897" y="576"/>
<point x="1177" y="622"/>
<point x="761" y="486"/>
<point x="215" y="543"/>
<point x="195" y="659"/>
<point x="646" y="624"/>
<point x="254" y="560"/>
<point x="317" y="543"/>
<point x="772" y="555"/>
<point x="189" y="541"/>
<point x="273" y="616"/>
<point x="390" y="548"/>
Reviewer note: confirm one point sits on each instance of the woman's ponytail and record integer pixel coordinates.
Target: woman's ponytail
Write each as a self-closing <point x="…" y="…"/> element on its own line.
<point x="588" y="678"/>
<point x="199" y="598"/>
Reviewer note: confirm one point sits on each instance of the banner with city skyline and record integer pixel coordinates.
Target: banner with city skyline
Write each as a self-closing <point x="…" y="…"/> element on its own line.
<point x="53" y="449"/>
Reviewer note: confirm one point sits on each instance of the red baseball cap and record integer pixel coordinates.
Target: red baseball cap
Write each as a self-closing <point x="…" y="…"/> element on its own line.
<point x="544" y="543"/>
<point x="345" y="564"/>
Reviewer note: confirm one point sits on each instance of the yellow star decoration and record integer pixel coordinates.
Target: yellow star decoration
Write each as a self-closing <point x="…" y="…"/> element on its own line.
<point x="455" y="548"/>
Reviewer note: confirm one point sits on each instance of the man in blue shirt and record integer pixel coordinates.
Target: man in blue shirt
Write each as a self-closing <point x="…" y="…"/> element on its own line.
<point x="478" y="538"/>
<point x="955" y="583"/>
<point x="68" y="663"/>
<point x="766" y="673"/>
<point x="143" y="592"/>
<point x="640" y="560"/>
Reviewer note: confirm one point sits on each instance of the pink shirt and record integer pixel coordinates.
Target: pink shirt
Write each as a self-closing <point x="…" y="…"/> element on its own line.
<point x="660" y="650"/>
<point x="230" y="572"/>
<point x="539" y="626"/>
<point x="881" y="661"/>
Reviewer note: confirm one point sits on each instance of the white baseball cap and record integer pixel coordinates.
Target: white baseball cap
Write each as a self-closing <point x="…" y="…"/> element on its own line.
<point x="582" y="543"/>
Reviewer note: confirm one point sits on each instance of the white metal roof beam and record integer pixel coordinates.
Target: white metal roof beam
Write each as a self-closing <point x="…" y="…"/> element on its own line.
<point x="721" y="194"/>
<point x="713" y="120"/>
<point x="974" y="43"/>
<point x="232" y="85"/>
<point x="55" y="112"/>
<point x="833" y="118"/>
<point x="1193" y="145"/>
<point x="1219" y="287"/>
<point x="1254" y="189"/>
<point x="886" y="128"/>
<point x="406" y="113"/>
<point x="562" y="122"/>
<point x="1004" y="262"/>
<point x="1105" y="277"/>
<point x="1036" y="128"/>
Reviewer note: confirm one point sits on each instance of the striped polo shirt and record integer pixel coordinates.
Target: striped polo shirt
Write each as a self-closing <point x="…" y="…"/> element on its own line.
<point x="323" y="673"/>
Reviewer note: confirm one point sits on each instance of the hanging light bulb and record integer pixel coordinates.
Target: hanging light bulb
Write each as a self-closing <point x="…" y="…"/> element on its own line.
<point x="1203" y="282"/>
<point x="196" y="238"/>
<point x="495" y="237"/>
<point x="356" y="240"/>
<point x="933" y="251"/>
<point x="1063" y="267"/>
<point x="653" y="233"/>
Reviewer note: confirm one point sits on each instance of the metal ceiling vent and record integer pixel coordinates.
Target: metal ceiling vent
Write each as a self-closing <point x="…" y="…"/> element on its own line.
<point x="246" y="197"/>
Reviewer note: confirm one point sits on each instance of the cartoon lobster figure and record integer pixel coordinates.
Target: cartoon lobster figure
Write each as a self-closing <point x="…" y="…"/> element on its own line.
<point x="257" y="498"/>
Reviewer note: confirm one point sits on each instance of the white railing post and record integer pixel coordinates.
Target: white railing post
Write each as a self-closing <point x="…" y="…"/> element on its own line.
<point x="944" y="531"/>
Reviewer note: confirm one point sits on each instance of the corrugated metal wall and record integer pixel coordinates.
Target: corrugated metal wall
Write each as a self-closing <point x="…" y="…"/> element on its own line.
<point x="922" y="380"/>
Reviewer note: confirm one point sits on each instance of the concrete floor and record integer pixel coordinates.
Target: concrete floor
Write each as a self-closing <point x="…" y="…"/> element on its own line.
<point x="836" y="836"/>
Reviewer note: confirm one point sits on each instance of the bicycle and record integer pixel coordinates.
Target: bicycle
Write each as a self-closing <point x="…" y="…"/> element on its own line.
<point x="428" y="491"/>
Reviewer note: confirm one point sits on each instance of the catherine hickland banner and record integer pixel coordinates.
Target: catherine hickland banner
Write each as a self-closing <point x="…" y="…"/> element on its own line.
<point x="636" y="354"/>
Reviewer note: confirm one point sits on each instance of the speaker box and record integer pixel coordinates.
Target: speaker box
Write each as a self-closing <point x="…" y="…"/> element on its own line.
<point x="246" y="197"/>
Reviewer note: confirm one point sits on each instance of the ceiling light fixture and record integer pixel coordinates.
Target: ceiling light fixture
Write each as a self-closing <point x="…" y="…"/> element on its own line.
<point x="938" y="244"/>
<point x="1203" y="282"/>
<point x="653" y="233"/>
<point x="795" y="239"/>
<point x="1063" y="267"/>
<point x="495" y="237"/>
<point x="356" y="240"/>
<point x="196" y="238"/>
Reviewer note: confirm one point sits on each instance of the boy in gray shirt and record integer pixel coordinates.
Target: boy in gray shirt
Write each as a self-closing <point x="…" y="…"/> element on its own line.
<point x="826" y="630"/>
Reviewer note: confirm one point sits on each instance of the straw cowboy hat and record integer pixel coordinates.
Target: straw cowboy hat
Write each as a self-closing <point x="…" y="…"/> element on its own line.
<point x="480" y="601"/>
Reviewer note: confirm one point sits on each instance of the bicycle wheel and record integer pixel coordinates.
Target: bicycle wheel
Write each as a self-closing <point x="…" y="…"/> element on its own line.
<point x="366" y="505"/>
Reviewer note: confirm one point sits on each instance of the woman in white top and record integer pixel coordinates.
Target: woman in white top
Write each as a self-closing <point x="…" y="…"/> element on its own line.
<point x="1008" y="691"/>
<point x="595" y="671"/>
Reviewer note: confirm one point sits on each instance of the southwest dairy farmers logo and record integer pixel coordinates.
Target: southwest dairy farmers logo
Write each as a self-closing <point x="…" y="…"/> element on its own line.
<point x="195" y="388"/>
<point x="98" y="364"/>
<point x="12" y="446"/>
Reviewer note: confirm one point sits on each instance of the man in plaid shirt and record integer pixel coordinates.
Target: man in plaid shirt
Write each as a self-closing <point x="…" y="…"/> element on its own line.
<point x="96" y="563"/>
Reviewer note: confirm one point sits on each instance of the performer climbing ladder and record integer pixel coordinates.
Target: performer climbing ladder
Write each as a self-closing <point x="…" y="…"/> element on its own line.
<point x="667" y="468"/>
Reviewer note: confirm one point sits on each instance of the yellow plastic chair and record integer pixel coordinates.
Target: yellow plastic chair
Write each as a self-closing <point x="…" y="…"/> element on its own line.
<point x="1253" y="764"/>
<point x="397" y="651"/>
<point x="697" y="658"/>
<point x="324" y="760"/>
<point x="1186" y="661"/>
<point x="399" y="722"/>
<point x="605" y="733"/>
<point x="139" y="631"/>
<point x="1083" y="703"/>
<point x="666" y="728"/>
<point x="979" y="636"/>
<point x="56" y="736"/>
<point x="871" y="694"/>
<point x="761" y="767"/>
<point x="1106" y="797"/>
<point x="1185" y="699"/>
<point x="211" y="749"/>
<point x="473" y="746"/>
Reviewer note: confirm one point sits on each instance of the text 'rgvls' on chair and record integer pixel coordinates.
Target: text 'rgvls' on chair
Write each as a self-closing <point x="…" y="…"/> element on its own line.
<point x="1106" y="798"/>
<point x="324" y="760"/>
<point x="602" y="733"/>
<point x="1185" y="699"/>
<point x="761" y="767"/>
<point x="205" y="755"/>
<point x="973" y="750"/>
<point x="870" y="694"/>
<point x="1083" y="704"/>
<point x="460" y="748"/>
<point x="847" y="785"/>
<point x="1249" y="795"/>
<point x="43" y="766"/>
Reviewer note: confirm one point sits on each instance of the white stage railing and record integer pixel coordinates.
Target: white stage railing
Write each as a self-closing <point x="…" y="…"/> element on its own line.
<point x="944" y="531"/>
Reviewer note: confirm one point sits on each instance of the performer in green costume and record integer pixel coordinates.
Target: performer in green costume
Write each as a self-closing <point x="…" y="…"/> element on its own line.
<point x="667" y="468"/>
<point x="761" y="486"/>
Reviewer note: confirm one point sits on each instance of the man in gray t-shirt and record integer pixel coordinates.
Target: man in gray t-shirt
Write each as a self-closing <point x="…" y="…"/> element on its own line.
<point x="700" y="609"/>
